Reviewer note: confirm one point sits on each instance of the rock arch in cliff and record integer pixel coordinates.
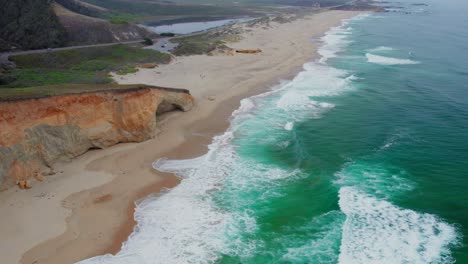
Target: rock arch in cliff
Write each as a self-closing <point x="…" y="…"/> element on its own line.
<point x="168" y="106"/>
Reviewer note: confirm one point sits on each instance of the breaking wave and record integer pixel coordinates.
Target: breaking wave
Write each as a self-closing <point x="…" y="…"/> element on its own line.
<point x="381" y="49"/>
<point x="382" y="60"/>
<point x="211" y="213"/>
<point x="376" y="231"/>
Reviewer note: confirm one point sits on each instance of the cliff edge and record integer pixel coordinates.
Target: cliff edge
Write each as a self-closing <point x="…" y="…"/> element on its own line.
<point x="37" y="132"/>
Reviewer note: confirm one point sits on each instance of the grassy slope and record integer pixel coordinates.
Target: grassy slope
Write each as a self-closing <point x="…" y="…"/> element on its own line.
<point x="158" y="8"/>
<point x="50" y="90"/>
<point x="83" y="30"/>
<point x="198" y="44"/>
<point x="83" y="8"/>
<point x="53" y="90"/>
<point x="36" y="24"/>
<point x="80" y="66"/>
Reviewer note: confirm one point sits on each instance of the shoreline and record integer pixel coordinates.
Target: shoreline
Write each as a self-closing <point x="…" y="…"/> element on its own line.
<point x="112" y="197"/>
<point x="180" y="152"/>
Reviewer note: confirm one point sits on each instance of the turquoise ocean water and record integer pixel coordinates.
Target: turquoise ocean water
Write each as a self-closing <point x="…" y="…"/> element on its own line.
<point x="361" y="158"/>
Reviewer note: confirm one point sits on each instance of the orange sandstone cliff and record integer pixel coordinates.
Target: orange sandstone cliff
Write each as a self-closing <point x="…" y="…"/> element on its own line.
<point x="36" y="132"/>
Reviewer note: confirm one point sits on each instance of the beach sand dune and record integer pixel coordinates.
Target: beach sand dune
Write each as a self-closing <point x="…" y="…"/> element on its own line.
<point x="87" y="208"/>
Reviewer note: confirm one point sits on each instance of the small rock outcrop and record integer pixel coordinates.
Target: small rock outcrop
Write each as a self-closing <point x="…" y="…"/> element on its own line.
<point x="36" y="132"/>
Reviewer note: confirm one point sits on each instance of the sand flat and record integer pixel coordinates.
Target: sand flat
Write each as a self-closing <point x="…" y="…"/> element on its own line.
<point x="87" y="209"/>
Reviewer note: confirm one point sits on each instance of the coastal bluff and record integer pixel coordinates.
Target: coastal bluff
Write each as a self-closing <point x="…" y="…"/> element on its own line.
<point x="38" y="131"/>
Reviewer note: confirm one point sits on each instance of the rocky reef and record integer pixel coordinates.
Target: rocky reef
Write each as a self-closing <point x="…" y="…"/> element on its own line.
<point x="37" y="132"/>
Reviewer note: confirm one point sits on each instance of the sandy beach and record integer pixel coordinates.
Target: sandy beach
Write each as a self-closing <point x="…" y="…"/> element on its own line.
<point x="86" y="209"/>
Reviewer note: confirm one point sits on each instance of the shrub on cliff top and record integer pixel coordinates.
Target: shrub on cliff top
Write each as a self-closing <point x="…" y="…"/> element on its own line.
<point x="88" y="65"/>
<point x="113" y="56"/>
<point x="147" y="42"/>
<point x="127" y="70"/>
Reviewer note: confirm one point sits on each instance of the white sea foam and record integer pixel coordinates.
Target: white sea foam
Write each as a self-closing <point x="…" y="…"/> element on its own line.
<point x="382" y="60"/>
<point x="283" y="144"/>
<point x="182" y="225"/>
<point x="379" y="180"/>
<point x="181" y="168"/>
<point x="246" y="105"/>
<point x="334" y="41"/>
<point x="381" y="48"/>
<point x="362" y="17"/>
<point x="320" y="248"/>
<point x="294" y="100"/>
<point x="352" y="78"/>
<point x="298" y="97"/>
<point x="377" y="231"/>
<point x="337" y="38"/>
<point x="387" y="145"/>
<point x="394" y="139"/>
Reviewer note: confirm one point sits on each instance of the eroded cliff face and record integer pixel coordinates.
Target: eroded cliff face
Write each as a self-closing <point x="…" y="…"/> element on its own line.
<point x="35" y="133"/>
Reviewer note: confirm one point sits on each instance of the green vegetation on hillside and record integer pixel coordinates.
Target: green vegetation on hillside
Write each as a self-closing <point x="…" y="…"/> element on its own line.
<point x="33" y="24"/>
<point x="87" y="65"/>
<point x="80" y="8"/>
<point x="206" y="42"/>
<point x="118" y="20"/>
<point x="127" y="70"/>
<point x="121" y="18"/>
<point x="199" y="44"/>
<point x="305" y="3"/>
<point x="185" y="19"/>
<point x="159" y="8"/>
<point x="266" y="2"/>
<point x="147" y="41"/>
<point x="29" y="24"/>
<point x="51" y="90"/>
<point x="256" y="5"/>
